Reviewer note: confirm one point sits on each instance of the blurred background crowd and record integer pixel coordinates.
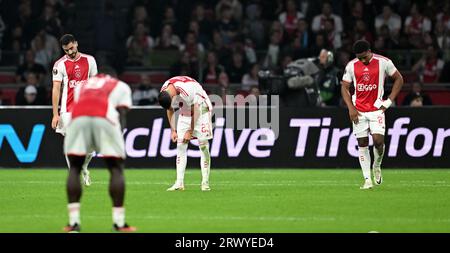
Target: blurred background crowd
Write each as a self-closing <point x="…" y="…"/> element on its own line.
<point x="226" y="45"/>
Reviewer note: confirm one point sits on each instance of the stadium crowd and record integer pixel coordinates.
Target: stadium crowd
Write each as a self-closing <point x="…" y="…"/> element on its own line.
<point x="225" y="43"/>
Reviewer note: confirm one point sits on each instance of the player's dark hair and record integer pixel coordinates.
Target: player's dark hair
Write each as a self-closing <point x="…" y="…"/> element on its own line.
<point x="164" y="99"/>
<point x="108" y="70"/>
<point x="361" y="46"/>
<point x="66" y="39"/>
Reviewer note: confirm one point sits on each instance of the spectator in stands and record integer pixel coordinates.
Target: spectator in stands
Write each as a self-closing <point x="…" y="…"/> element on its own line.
<point x="191" y="46"/>
<point x="212" y="70"/>
<point x="222" y="51"/>
<point x="32" y="93"/>
<point x="168" y="40"/>
<point x="277" y="27"/>
<point x="318" y="23"/>
<point x="145" y="94"/>
<point x="139" y="45"/>
<point x="441" y="35"/>
<point x="444" y="15"/>
<point x="46" y="47"/>
<point x="206" y="25"/>
<point x="416" y="26"/>
<point x="290" y="17"/>
<point x="416" y="96"/>
<point x="195" y="28"/>
<point x="227" y="25"/>
<point x="106" y="29"/>
<point x="184" y="67"/>
<point x="385" y="41"/>
<point x="429" y="66"/>
<point x="251" y="77"/>
<point x="302" y="40"/>
<point x="236" y="69"/>
<point x="170" y="18"/>
<point x="321" y="42"/>
<point x="390" y="20"/>
<point x="28" y="66"/>
<point x="50" y="21"/>
<point x="360" y="32"/>
<point x="140" y="16"/>
<point x="333" y="37"/>
<point x="273" y="51"/>
<point x="254" y="26"/>
<point x="235" y="9"/>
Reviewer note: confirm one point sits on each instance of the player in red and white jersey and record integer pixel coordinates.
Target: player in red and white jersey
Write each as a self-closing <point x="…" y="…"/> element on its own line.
<point x="366" y="106"/>
<point x="72" y="70"/>
<point x="194" y="122"/>
<point x="98" y="117"/>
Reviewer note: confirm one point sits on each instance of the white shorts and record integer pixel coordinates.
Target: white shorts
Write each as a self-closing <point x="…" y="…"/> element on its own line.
<point x="202" y="129"/>
<point x="64" y="120"/>
<point x="87" y="134"/>
<point x="369" y="123"/>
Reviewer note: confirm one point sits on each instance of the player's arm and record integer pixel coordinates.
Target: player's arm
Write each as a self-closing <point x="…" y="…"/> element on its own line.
<point x="396" y="88"/>
<point x="345" y="92"/>
<point x="170" y="116"/>
<point x="56" y="91"/>
<point x="123" y="111"/>
<point x="195" y="115"/>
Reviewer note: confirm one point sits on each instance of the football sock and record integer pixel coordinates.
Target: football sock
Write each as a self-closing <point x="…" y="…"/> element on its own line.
<point x="364" y="161"/>
<point x="205" y="161"/>
<point x="74" y="213"/>
<point x="118" y="214"/>
<point x="181" y="161"/>
<point x="86" y="162"/>
<point x="67" y="161"/>
<point x="378" y="157"/>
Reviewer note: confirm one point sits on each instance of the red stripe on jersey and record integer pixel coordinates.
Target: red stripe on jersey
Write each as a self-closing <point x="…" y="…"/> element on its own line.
<point x="179" y="89"/>
<point x="367" y="85"/>
<point x="77" y="74"/>
<point x="94" y="100"/>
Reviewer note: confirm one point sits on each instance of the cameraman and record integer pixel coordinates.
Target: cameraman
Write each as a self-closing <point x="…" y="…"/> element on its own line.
<point x="327" y="79"/>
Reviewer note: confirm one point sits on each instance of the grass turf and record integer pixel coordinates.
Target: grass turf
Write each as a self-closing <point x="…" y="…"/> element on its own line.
<point x="241" y="200"/>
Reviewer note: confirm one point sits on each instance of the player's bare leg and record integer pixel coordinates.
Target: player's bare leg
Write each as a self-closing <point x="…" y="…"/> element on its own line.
<point x="117" y="193"/>
<point x="85" y="171"/>
<point x="378" y="153"/>
<point x="364" y="161"/>
<point x="205" y="164"/>
<point x="181" y="166"/>
<point x="74" y="193"/>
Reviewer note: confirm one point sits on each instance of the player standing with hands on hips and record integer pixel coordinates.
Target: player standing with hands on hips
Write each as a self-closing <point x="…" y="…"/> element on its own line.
<point x="98" y="117"/>
<point x="194" y="122"/>
<point x="72" y="70"/>
<point x="366" y="107"/>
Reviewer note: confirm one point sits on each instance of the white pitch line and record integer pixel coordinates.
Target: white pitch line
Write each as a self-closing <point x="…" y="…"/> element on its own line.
<point x="421" y="183"/>
<point x="239" y="218"/>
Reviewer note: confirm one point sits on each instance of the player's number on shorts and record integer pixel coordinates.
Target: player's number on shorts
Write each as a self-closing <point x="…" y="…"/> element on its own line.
<point x="205" y="128"/>
<point x="380" y="120"/>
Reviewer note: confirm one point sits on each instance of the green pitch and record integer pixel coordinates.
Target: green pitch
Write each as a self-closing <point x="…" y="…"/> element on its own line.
<point x="241" y="200"/>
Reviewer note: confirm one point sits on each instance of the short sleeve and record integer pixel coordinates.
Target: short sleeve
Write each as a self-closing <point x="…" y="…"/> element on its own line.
<point x="92" y="67"/>
<point x="125" y="99"/>
<point x="348" y="73"/>
<point x="390" y="68"/>
<point x="58" y="72"/>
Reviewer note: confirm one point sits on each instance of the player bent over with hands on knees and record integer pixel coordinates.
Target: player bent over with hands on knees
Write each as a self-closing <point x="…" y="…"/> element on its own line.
<point x="70" y="71"/>
<point x="194" y="122"/>
<point x="366" y="106"/>
<point x="98" y="117"/>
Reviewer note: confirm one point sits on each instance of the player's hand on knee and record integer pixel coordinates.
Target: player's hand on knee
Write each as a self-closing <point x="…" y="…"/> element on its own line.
<point x="187" y="136"/>
<point x="174" y="136"/>
<point x="55" y="121"/>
